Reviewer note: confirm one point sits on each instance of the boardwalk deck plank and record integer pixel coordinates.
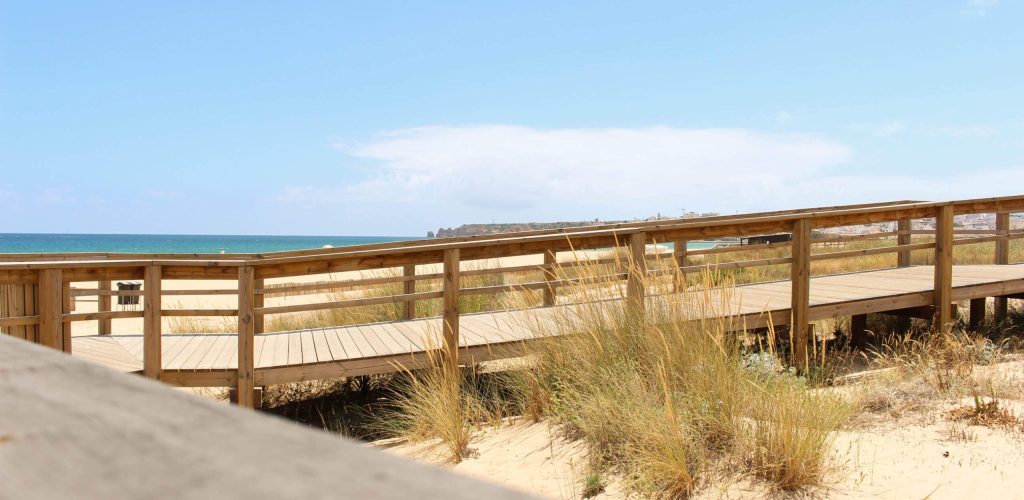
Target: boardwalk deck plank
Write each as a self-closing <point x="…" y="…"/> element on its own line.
<point x="373" y="347"/>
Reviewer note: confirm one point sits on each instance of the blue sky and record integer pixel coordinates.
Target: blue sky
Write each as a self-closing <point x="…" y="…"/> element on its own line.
<point x="392" y="118"/>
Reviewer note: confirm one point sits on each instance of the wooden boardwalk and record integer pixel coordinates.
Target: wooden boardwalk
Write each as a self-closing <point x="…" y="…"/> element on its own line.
<point x="212" y="359"/>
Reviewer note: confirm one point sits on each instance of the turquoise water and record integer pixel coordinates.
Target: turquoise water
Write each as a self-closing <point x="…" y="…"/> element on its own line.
<point x="185" y="243"/>
<point x="701" y="245"/>
<point x="175" y="243"/>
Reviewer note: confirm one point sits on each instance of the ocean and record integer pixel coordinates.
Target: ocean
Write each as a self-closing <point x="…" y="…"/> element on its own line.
<point x="189" y="243"/>
<point x="175" y="243"/>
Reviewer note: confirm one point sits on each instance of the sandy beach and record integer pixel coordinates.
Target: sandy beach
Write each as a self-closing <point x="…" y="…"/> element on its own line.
<point x="912" y="456"/>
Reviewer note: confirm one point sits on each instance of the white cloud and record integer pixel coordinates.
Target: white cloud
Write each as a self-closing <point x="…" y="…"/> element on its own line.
<point x="783" y="118"/>
<point x="504" y="167"/>
<point x="964" y="132"/>
<point x="885" y="129"/>
<point x="978" y="7"/>
<point x="429" y="176"/>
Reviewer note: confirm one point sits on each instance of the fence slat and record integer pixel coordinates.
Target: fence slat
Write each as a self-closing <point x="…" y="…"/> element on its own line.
<point x="152" y="328"/>
<point x="103" y="326"/>
<point x="800" y="300"/>
<point x="943" y="267"/>
<point x="409" y="287"/>
<point x="246" y="338"/>
<point x="451" y="308"/>
<point x="50" y="320"/>
<point x="1002" y="257"/>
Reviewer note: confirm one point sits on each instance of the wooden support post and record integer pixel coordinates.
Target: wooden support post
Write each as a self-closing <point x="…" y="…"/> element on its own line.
<point x="450" y="353"/>
<point x="637" y="274"/>
<point x="51" y="332"/>
<point x="246" y="338"/>
<point x="903" y="238"/>
<point x="1002" y="257"/>
<point x="550" y="262"/>
<point x="103" y="326"/>
<point x="67" y="305"/>
<point x="800" y="303"/>
<point x="409" y="309"/>
<point x="943" y="296"/>
<point x="679" y="283"/>
<point x="977" y="313"/>
<point x="859" y="331"/>
<point x="258" y="302"/>
<point x="152" y="326"/>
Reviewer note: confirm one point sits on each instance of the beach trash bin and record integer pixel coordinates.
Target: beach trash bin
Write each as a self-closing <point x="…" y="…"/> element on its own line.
<point x="128" y="300"/>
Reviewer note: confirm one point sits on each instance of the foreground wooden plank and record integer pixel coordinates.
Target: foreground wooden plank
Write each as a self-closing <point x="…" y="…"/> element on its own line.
<point x="90" y="423"/>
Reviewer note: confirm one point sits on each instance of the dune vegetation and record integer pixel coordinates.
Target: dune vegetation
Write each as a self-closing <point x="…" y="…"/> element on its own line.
<point x="665" y="402"/>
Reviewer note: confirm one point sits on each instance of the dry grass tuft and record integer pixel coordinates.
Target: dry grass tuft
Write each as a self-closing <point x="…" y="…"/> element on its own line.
<point x="985" y="413"/>
<point x="435" y="402"/>
<point x="664" y="398"/>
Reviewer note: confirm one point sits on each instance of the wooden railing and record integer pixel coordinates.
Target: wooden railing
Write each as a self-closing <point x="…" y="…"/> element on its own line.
<point x="38" y="288"/>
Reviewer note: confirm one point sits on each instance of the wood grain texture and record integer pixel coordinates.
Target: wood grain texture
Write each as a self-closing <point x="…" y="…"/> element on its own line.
<point x="1000" y="306"/>
<point x="408" y="288"/>
<point x="636" y="274"/>
<point x="943" y="267"/>
<point x="450" y="301"/>
<point x="903" y="228"/>
<point x="382" y="347"/>
<point x="94" y="425"/>
<point x="103" y="305"/>
<point x="50" y="308"/>
<point x="550" y="291"/>
<point x="800" y="294"/>
<point x="246" y="342"/>
<point x="152" y="326"/>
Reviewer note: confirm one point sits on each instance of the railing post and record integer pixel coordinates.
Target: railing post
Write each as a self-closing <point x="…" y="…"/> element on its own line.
<point x="635" y="282"/>
<point x="51" y="332"/>
<point x="245" y="386"/>
<point x="943" y="296"/>
<point x="451" y="308"/>
<point x="103" y="326"/>
<point x="152" y="327"/>
<point x="550" y="293"/>
<point x="66" y="306"/>
<point x="800" y="298"/>
<point x="679" y="282"/>
<point x="258" y="302"/>
<point x="1002" y="257"/>
<point x="903" y="238"/>
<point x="409" y="287"/>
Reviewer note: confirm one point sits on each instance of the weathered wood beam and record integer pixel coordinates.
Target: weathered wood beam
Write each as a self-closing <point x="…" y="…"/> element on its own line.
<point x="943" y="267"/>
<point x="152" y="326"/>
<point x="246" y="338"/>
<point x="51" y="333"/>
<point x="409" y="288"/>
<point x="903" y="227"/>
<point x="103" y="326"/>
<point x="1000" y="307"/>
<point x="800" y="300"/>
<point x="450" y="315"/>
